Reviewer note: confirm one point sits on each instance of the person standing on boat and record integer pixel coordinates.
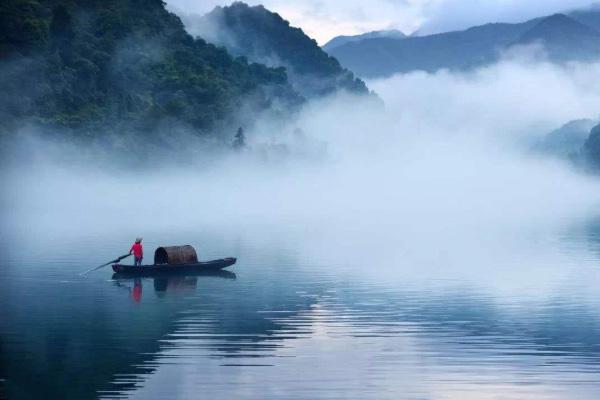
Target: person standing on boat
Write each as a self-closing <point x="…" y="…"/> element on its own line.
<point x="138" y="252"/>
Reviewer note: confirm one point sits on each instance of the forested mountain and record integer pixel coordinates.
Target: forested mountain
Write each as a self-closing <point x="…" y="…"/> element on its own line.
<point x="572" y="37"/>
<point x="265" y="37"/>
<point x="340" y="40"/>
<point x="112" y="65"/>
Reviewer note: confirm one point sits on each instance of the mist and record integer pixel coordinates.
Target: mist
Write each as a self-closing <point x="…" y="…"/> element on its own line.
<point x="442" y="173"/>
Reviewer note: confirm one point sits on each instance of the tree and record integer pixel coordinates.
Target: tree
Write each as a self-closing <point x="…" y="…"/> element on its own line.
<point x="239" y="141"/>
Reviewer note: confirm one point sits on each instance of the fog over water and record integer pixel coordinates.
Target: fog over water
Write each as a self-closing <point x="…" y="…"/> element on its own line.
<point x="442" y="172"/>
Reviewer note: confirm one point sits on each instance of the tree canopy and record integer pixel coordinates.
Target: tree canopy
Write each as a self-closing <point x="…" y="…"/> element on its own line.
<point x="87" y="65"/>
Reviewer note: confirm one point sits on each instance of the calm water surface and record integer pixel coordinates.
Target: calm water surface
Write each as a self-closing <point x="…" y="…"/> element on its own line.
<point x="289" y="323"/>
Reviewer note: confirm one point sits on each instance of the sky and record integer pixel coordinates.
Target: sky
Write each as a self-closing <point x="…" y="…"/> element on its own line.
<point x="325" y="19"/>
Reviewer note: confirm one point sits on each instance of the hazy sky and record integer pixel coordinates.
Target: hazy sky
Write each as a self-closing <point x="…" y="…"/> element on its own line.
<point x="324" y="19"/>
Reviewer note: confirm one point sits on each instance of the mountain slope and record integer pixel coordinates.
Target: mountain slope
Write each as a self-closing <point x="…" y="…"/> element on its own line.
<point x="264" y="37"/>
<point x="340" y="40"/>
<point x="565" y="37"/>
<point x="116" y="65"/>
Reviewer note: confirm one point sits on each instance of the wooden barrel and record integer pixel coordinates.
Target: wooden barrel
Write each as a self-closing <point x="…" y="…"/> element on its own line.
<point x="175" y="255"/>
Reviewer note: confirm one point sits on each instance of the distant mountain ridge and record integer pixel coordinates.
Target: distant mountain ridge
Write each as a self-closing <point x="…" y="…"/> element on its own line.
<point x="340" y="40"/>
<point x="265" y="37"/>
<point x="564" y="38"/>
<point x="572" y="37"/>
<point x="589" y="17"/>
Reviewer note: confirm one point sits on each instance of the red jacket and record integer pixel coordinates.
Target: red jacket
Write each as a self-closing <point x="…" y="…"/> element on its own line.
<point x="137" y="250"/>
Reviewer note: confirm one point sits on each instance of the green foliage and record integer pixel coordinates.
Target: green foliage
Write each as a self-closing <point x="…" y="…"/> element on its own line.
<point x="102" y="65"/>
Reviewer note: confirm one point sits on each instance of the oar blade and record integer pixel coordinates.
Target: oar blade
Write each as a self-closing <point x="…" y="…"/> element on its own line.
<point x="104" y="265"/>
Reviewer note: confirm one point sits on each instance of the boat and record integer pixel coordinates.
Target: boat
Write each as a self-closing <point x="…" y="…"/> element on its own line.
<point x="173" y="260"/>
<point x="165" y="269"/>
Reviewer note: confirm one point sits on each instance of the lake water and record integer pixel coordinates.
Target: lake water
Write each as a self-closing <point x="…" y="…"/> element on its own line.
<point x="509" y="320"/>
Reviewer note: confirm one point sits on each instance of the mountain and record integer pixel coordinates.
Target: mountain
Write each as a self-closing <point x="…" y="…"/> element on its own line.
<point x="452" y="50"/>
<point x="589" y="17"/>
<point x="591" y="148"/>
<point x="122" y="65"/>
<point x="340" y="40"/>
<point x="568" y="139"/>
<point x="566" y="38"/>
<point x="264" y="37"/>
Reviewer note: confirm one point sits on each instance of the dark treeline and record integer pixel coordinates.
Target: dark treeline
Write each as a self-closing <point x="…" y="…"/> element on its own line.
<point x="92" y="66"/>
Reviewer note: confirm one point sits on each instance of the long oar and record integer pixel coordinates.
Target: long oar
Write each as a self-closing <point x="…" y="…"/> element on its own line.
<point x="104" y="265"/>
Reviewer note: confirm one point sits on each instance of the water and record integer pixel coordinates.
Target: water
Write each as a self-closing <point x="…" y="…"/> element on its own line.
<point x="298" y="320"/>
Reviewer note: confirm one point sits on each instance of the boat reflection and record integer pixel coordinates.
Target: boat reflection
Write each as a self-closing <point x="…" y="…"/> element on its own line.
<point x="175" y="274"/>
<point x="174" y="284"/>
<point x="179" y="284"/>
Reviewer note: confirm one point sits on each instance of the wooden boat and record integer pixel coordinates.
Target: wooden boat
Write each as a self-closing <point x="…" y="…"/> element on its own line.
<point x="168" y="269"/>
<point x="173" y="260"/>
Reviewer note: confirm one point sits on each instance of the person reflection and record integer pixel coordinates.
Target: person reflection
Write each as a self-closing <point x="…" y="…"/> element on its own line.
<point x="136" y="293"/>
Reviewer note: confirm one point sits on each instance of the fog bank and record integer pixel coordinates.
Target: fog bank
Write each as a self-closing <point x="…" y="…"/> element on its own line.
<point x="443" y="171"/>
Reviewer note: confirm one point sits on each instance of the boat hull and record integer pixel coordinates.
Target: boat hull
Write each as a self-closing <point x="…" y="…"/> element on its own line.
<point x="167" y="269"/>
